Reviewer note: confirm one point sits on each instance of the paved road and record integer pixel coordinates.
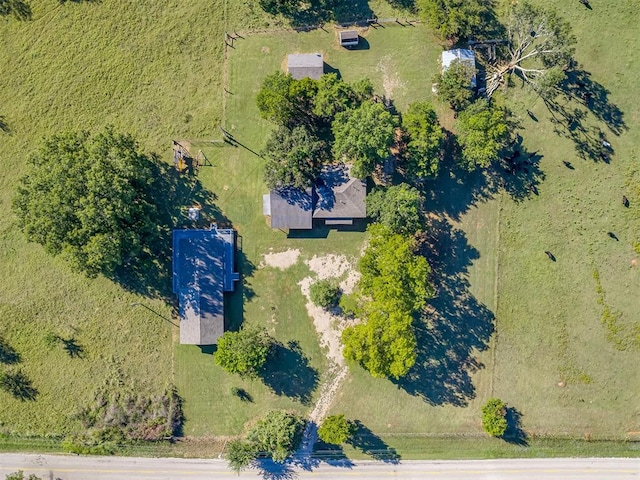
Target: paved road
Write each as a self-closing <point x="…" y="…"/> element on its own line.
<point x="52" y="467"/>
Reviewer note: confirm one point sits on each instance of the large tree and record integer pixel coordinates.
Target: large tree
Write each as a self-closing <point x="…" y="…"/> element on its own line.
<point x="293" y="158"/>
<point x="244" y="352"/>
<point x="454" y="19"/>
<point x="540" y="47"/>
<point x="89" y="199"/>
<point x="454" y="85"/>
<point x="483" y="132"/>
<point x="384" y="344"/>
<point x="275" y="100"/>
<point x="398" y="207"/>
<point x="392" y="273"/>
<point x="363" y="136"/>
<point x="278" y="434"/>
<point x="425" y="140"/>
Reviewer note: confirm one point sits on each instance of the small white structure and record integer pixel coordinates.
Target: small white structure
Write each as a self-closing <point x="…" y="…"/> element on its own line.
<point x="349" y="38"/>
<point x="468" y="57"/>
<point x="305" y="65"/>
<point x="194" y="213"/>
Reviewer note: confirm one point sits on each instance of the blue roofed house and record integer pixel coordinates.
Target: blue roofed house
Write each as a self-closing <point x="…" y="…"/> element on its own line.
<point x="337" y="198"/>
<point x="203" y="269"/>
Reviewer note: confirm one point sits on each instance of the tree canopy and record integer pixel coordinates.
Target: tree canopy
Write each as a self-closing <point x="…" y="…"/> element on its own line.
<point x="454" y="85"/>
<point x="398" y="207"/>
<point x="336" y="430"/>
<point x="385" y="344"/>
<point x="89" y="199"/>
<point x="275" y="100"/>
<point x="293" y="158"/>
<point x="425" y="142"/>
<point x="540" y="47"/>
<point x="392" y="273"/>
<point x="483" y="131"/>
<point x="394" y="284"/>
<point x="240" y="454"/>
<point x="363" y="135"/>
<point x="494" y="420"/>
<point x="454" y="19"/>
<point x="244" y="352"/>
<point x="278" y="434"/>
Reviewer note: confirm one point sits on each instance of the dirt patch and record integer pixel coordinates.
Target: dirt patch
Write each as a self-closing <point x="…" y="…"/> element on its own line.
<point x="390" y="78"/>
<point x="265" y="50"/>
<point x="329" y="266"/>
<point x="281" y="260"/>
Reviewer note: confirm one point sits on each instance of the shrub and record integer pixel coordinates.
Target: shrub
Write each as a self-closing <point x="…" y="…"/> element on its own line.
<point x="278" y="434"/>
<point x="336" y="429"/>
<point x="349" y="305"/>
<point x="244" y="352"/>
<point x="325" y="294"/>
<point x="494" y="419"/>
<point x="240" y="454"/>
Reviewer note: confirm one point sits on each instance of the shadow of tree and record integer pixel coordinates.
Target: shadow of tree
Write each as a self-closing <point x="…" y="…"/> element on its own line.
<point x="318" y="12"/>
<point x="18" y="8"/>
<point x="514" y="433"/>
<point x="18" y="385"/>
<point x="331" y="454"/>
<point x="271" y="470"/>
<point x="8" y="354"/>
<point x="172" y="193"/>
<point x="289" y="373"/>
<point x="4" y="126"/>
<point x="370" y="444"/>
<point x="455" y="190"/>
<point x="455" y="326"/>
<point x="71" y="346"/>
<point x="570" y="104"/>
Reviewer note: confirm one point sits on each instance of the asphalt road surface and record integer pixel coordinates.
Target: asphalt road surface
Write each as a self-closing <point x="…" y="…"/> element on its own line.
<point x="52" y="467"/>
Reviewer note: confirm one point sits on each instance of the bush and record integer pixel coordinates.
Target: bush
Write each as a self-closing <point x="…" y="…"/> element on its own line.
<point x="349" y="305"/>
<point x="325" y="294"/>
<point x="240" y="454"/>
<point x="244" y="352"/>
<point x="494" y="420"/>
<point x="336" y="429"/>
<point x="19" y="475"/>
<point x="278" y="434"/>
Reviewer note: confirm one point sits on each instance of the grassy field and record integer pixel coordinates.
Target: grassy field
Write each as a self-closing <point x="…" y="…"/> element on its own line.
<point x="506" y="322"/>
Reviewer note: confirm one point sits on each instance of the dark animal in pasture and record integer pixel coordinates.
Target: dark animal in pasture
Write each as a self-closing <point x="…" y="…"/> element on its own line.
<point x="613" y="235"/>
<point x="550" y="255"/>
<point x="625" y="201"/>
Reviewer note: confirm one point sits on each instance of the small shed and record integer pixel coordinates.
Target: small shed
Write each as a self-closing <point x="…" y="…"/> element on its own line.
<point x="349" y="38"/>
<point x="305" y="65"/>
<point x="468" y="57"/>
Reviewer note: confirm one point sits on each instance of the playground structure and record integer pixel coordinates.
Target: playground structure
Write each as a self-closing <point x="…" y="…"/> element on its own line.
<point x="184" y="161"/>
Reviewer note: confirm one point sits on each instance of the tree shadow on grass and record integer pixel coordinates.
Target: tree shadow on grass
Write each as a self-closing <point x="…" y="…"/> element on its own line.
<point x="71" y="346"/>
<point x="4" y="126"/>
<point x="515" y="434"/>
<point x="454" y="327"/>
<point x="572" y="101"/>
<point x="318" y="12"/>
<point x="370" y="444"/>
<point x="288" y="372"/>
<point x="173" y="193"/>
<point x="455" y="190"/>
<point x="18" y="385"/>
<point x="18" y="8"/>
<point x="331" y="454"/>
<point x="8" y="355"/>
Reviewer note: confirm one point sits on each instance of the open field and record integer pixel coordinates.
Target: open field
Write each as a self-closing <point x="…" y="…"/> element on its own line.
<point x="159" y="75"/>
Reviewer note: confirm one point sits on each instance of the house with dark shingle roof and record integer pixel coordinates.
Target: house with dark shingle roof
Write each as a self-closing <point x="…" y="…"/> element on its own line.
<point x="305" y="65"/>
<point x="203" y="269"/>
<point x="336" y="199"/>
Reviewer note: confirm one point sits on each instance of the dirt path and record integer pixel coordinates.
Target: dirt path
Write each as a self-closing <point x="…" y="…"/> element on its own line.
<point x="329" y="327"/>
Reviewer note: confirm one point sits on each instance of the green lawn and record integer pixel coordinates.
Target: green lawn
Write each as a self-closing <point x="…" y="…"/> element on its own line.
<point x="156" y="69"/>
